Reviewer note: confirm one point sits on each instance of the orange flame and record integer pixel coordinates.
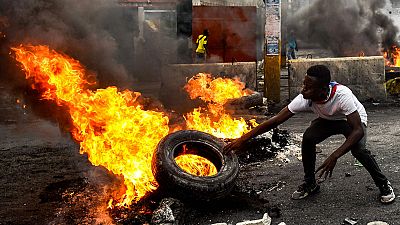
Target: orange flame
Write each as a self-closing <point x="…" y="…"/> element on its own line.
<point x="392" y="57"/>
<point x="214" y="119"/>
<point x="111" y="127"/>
<point x="195" y="165"/>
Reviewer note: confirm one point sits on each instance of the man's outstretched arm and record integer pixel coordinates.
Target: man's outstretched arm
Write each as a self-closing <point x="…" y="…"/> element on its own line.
<point x="239" y="144"/>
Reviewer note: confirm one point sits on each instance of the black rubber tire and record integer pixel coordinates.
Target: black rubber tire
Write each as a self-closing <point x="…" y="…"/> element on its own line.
<point x="185" y="186"/>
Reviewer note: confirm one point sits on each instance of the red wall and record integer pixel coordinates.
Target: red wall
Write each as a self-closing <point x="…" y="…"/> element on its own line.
<point x="232" y="31"/>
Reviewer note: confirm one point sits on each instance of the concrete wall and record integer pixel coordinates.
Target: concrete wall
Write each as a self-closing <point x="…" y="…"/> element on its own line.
<point x="175" y="76"/>
<point x="365" y="76"/>
<point x="258" y="3"/>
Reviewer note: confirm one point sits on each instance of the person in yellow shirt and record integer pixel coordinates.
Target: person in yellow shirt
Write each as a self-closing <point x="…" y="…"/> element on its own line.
<point x="201" y="46"/>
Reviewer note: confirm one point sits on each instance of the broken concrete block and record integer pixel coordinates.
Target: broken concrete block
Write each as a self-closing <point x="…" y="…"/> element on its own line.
<point x="266" y="220"/>
<point x="365" y="76"/>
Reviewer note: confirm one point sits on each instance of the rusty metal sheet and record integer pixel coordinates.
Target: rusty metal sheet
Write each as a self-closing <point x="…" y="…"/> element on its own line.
<point x="232" y="31"/>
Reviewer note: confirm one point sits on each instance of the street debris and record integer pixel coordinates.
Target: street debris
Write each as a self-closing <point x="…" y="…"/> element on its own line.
<point x="377" y="223"/>
<point x="278" y="186"/>
<point x="349" y="221"/>
<point x="170" y="211"/>
<point x="266" y="220"/>
<point x="265" y="146"/>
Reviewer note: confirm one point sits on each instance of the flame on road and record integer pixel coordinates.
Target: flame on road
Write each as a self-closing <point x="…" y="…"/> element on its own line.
<point x="214" y="119"/>
<point x="392" y="57"/>
<point x="111" y="127"/>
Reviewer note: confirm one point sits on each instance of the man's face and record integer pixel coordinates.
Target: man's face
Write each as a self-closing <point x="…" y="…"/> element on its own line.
<point x="312" y="89"/>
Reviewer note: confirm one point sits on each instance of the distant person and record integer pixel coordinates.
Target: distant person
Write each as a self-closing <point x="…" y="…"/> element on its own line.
<point x="292" y="46"/>
<point x="339" y="112"/>
<point x="201" y="47"/>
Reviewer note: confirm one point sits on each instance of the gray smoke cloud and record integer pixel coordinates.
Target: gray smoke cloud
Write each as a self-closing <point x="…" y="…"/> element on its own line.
<point x="102" y="34"/>
<point x="96" y="32"/>
<point x="346" y="27"/>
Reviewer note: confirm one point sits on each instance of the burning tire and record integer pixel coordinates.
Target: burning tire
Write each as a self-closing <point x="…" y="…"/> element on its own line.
<point x="171" y="177"/>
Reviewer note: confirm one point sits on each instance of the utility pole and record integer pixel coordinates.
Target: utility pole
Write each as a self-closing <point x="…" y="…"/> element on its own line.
<point x="272" y="68"/>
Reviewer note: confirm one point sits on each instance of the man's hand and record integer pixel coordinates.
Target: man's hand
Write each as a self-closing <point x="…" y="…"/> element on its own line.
<point x="327" y="167"/>
<point x="233" y="146"/>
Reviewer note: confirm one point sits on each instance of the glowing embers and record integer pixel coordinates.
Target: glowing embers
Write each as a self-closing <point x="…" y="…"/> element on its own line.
<point x="196" y="158"/>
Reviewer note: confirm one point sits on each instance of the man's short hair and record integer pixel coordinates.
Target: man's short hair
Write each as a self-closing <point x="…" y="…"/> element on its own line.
<point x="321" y="73"/>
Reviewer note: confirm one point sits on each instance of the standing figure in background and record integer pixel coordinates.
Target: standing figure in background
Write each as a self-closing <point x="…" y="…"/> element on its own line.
<point x="201" y="47"/>
<point x="292" y="46"/>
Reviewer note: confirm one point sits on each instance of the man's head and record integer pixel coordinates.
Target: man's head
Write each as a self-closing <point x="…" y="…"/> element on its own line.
<point x="205" y="32"/>
<point x="316" y="83"/>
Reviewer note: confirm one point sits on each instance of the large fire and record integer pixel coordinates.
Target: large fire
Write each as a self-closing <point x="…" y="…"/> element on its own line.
<point x="392" y="57"/>
<point x="214" y="119"/>
<point x="114" y="130"/>
<point x="110" y="125"/>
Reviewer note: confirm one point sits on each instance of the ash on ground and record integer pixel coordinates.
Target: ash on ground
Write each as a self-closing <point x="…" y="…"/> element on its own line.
<point x="265" y="146"/>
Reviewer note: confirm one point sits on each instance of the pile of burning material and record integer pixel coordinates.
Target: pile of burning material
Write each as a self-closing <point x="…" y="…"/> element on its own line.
<point x="120" y="134"/>
<point x="265" y="146"/>
<point x="392" y="70"/>
<point x="226" y="93"/>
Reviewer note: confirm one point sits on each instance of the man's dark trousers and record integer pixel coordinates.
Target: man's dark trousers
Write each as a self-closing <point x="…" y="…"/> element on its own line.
<point x="319" y="130"/>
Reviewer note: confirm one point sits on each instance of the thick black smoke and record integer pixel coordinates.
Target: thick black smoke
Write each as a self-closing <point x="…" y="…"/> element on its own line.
<point x="98" y="33"/>
<point x="346" y="27"/>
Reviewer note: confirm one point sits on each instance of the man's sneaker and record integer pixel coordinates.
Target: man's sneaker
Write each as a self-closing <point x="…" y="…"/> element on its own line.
<point x="305" y="190"/>
<point x="387" y="193"/>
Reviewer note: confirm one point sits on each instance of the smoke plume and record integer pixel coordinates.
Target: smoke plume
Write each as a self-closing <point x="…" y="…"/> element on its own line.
<point x="346" y="27"/>
<point x="96" y="32"/>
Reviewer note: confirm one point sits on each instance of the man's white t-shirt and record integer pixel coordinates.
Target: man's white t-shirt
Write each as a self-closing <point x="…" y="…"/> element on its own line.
<point x="341" y="104"/>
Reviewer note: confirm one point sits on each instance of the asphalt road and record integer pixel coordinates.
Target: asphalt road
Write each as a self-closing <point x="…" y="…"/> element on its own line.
<point x="34" y="156"/>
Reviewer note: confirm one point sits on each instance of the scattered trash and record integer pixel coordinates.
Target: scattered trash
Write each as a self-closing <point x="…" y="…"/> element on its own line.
<point x="168" y="212"/>
<point x="266" y="220"/>
<point x="348" y="221"/>
<point x="347" y="174"/>
<point x="219" y="224"/>
<point x="265" y="146"/>
<point x="377" y="223"/>
<point x="282" y="223"/>
<point x="357" y="163"/>
<point x="278" y="186"/>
